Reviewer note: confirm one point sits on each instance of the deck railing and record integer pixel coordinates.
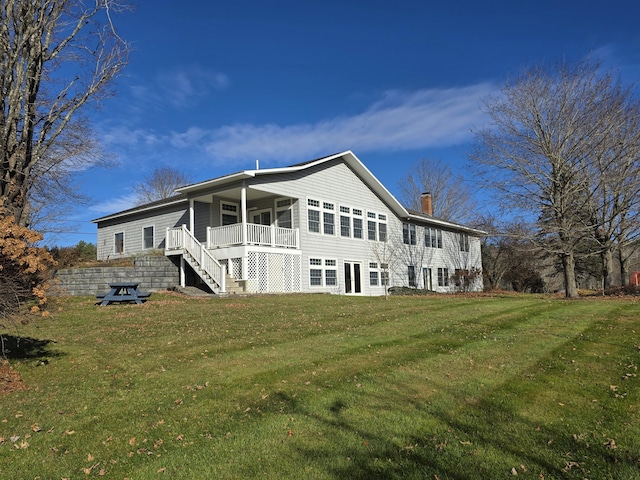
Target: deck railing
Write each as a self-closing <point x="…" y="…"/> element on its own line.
<point x="181" y="238"/>
<point x="268" y="235"/>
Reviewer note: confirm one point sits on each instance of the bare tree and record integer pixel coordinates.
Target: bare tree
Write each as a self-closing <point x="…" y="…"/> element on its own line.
<point x="452" y="199"/>
<point x="161" y="183"/>
<point x="56" y="58"/>
<point x="537" y="152"/>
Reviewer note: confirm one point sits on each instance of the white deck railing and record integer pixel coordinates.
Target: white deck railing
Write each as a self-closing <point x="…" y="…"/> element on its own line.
<point x="268" y="235"/>
<point x="181" y="239"/>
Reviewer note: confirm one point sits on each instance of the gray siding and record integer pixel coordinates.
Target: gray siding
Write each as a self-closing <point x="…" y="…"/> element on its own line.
<point x="132" y="228"/>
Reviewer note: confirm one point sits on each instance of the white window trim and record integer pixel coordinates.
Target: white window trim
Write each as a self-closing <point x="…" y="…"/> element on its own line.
<point x="323" y="268"/>
<point x="153" y="237"/>
<point x="115" y="250"/>
<point x="222" y="211"/>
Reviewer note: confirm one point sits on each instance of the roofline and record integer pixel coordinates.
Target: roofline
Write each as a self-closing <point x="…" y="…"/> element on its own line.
<point x="445" y="223"/>
<point x="214" y="182"/>
<point x="350" y="159"/>
<point x="140" y="209"/>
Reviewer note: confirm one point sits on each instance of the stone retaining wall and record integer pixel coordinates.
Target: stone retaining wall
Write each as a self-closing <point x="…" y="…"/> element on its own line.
<point x="152" y="272"/>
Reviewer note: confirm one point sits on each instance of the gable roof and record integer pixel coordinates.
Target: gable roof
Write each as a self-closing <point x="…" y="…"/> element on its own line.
<point x="347" y="156"/>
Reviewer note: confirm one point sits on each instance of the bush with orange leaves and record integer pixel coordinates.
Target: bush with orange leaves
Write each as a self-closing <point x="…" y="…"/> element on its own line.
<point x="24" y="268"/>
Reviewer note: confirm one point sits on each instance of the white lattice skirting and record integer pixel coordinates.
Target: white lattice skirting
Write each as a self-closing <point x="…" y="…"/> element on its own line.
<point x="273" y="273"/>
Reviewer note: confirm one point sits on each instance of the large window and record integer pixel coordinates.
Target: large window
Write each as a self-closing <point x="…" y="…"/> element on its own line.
<point x="229" y="213"/>
<point x="443" y="277"/>
<point x="323" y="272"/>
<point x="329" y="220"/>
<point x="357" y="227"/>
<point x="409" y="234"/>
<point x="147" y="237"/>
<point x="345" y="226"/>
<point x="119" y="243"/>
<point x="371" y="230"/>
<point x="382" y="232"/>
<point x="411" y="271"/>
<point x="283" y="213"/>
<point x="464" y="242"/>
<point x="432" y="237"/>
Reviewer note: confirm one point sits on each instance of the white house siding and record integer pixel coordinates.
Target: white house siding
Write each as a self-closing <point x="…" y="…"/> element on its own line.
<point x="336" y="183"/>
<point x="132" y="226"/>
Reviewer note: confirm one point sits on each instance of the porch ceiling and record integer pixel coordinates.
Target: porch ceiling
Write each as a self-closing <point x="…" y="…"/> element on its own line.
<point x="233" y="194"/>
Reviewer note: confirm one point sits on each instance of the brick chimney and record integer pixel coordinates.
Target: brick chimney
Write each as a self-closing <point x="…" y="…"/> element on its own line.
<point x="426" y="203"/>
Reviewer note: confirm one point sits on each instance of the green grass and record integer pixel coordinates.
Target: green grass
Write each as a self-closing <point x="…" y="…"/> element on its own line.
<point x="327" y="387"/>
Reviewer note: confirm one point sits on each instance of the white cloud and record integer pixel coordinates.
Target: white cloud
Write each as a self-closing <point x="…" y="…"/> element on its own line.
<point x="398" y="121"/>
<point x="118" y="204"/>
<point x="180" y="87"/>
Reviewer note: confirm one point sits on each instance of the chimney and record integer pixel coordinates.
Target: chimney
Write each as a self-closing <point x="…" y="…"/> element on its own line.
<point x="426" y="203"/>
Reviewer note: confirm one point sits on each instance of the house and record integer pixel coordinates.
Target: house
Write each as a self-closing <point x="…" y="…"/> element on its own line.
<point x="327" y="225"/>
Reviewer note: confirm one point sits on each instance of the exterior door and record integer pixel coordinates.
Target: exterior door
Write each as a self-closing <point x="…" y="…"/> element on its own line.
<point x="427" y="280"/>
<point x="352" y="277"/>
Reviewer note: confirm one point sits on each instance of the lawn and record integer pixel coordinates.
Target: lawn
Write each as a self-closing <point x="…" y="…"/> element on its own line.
<point x="326" y="387"/>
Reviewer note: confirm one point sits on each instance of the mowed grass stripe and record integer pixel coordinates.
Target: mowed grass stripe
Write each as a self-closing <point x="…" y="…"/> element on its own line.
<point x="319" y="386"/>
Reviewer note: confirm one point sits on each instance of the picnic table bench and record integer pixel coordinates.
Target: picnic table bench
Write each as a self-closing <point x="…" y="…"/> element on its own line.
<point x="123" y="292"/>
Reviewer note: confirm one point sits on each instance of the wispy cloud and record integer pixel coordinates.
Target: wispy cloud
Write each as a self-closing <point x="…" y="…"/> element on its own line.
<point x="180" y="87"/>
<point x="398" y="121"/>
<point x="117" y="204"/>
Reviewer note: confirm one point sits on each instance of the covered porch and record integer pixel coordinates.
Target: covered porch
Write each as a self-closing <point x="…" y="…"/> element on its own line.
<point x="246" y="232"/>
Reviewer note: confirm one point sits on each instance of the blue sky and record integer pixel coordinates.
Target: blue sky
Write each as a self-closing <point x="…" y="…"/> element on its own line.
<point x="212" y="86"/>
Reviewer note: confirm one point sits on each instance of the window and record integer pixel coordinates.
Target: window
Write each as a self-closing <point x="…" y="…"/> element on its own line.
<point x="357" y="228"/>
<point x="443" y="277"/>
<point x="229" y="213"/>
<point x="323" y="272"/>
<point x="147" y="237"/>
<point x="433" y="237"/>
<point x="283" y="218"/>
<point x="345" y="225"/>
<point x="373" y="278"/>
<point x="411" y="270"/>
<point x="409" y="234"/>
<point x="314" y="221"/>
<point x="119" y="243"/>
<point x="382" y="232"/>
<point x="328" y="223"/>
<point x="331" y="278"/>
<point x="315" y="277"/>
<point x="371" y="230"/>
<point x="464" y="242"/>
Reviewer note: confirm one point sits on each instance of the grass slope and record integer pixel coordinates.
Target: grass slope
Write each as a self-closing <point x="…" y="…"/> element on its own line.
<point x="325" y="387"/>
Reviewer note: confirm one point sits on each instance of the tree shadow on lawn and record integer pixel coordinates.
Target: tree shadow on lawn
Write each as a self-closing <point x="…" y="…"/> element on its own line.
<point x="475" y="440"/>
<point x="26" y="348"/>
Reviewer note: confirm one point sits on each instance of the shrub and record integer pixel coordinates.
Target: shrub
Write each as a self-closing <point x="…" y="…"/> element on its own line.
<point x="24" y="268"/>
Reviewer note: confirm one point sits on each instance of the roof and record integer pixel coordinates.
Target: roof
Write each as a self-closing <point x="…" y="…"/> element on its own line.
<point x="347" y="156"/>
<point x="165" y="202"/>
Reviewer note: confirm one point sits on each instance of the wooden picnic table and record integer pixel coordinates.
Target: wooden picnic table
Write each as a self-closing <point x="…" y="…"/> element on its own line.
<point x="123" y="292"/>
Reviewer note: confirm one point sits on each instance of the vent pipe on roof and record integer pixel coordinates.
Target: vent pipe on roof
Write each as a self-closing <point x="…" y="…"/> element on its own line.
<point x="257" y="164"/>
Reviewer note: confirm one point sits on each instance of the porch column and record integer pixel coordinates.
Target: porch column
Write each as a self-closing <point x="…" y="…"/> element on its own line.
<point x="192" y="216"/>
<point x="243" y="210"/>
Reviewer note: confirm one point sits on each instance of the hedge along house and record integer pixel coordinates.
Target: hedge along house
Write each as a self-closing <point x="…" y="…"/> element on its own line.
<point x="327" y="225"/>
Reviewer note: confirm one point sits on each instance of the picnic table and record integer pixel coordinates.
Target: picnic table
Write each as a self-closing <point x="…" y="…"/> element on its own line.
<point x="123" y="292"/>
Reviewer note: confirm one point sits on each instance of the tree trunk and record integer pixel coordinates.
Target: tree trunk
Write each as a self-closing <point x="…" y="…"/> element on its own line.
<point x="569" y="269"/>
<point x="624" y="268"/>
<point x="607" y="268"/>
